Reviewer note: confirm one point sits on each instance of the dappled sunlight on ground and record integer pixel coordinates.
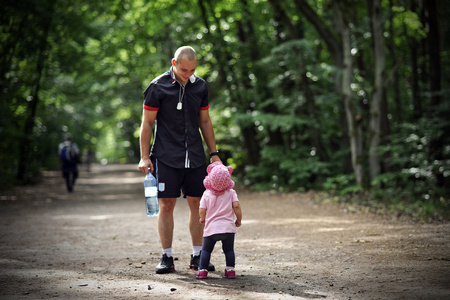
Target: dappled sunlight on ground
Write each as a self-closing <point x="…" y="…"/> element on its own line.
<point x="94" y="217"/>
<point x="126" y="178"/>
<point x="98" y="243"/>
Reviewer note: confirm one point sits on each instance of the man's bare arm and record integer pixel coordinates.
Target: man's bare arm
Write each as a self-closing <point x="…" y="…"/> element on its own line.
<point x="207" y="130"/>
<point x="145" y="137"/>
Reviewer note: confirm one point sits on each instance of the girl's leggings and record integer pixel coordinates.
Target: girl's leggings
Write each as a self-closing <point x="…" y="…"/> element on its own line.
<point x="208" y="246"/>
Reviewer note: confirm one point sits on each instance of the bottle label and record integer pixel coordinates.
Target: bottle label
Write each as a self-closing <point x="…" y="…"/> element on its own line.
<point x="151" y="191"/>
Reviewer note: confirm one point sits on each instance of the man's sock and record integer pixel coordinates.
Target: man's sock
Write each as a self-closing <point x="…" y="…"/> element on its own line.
<point x="168" y="252"/>
<point x="196" y="250"/>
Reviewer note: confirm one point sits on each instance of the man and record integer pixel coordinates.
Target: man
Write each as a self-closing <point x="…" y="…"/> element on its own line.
<point x="69" y="155"/>
<point x="176" y="102"/>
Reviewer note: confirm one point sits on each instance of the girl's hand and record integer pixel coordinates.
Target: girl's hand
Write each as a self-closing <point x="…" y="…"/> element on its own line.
<point x="202" y="221"/>
<point x="237" y="223"/>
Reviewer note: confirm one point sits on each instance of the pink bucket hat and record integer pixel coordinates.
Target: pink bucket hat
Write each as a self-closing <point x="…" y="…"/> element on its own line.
<point x="218" y="179"/>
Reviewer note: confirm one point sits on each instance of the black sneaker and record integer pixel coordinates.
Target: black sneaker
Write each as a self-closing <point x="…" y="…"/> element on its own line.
<point x="165" y="265"/>
<point x="195" y="262"/>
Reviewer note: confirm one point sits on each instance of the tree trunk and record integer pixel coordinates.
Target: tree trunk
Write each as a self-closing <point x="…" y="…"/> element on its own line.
<point x="354" y="126"/>
<point x="328" y="35"/>
<point x="413" y="46"/>
<point x="340" y="50"/>
<point x="25" y="158"/>
<point x="378" y="88"/>
<point x="220" y="53"/>
<point x="437" y="142"/>
<point x="435" y="56"/>
<point x="397" y="115"/>
<point x="296" y="32"/>
<point x="249" y="132"/>
<point x="353" y="120"/>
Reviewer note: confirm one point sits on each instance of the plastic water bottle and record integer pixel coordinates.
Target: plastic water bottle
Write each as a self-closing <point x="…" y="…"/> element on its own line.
<point x="151" y="195"/>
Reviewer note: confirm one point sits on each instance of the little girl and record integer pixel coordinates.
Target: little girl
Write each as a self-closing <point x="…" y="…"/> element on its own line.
<point x="218" y="206"/>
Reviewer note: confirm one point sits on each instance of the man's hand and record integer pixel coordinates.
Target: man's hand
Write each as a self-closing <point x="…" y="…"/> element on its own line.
<point x="145" y="164"/>
<point x="215" y="158"/>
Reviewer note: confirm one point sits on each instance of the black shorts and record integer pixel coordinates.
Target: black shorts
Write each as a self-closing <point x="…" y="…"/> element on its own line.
<point x="171" y="181"/>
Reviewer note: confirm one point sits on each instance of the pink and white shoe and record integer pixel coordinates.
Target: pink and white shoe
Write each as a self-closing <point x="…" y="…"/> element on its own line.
<point x="230" y="274"/>
<point x="202" y="274"/>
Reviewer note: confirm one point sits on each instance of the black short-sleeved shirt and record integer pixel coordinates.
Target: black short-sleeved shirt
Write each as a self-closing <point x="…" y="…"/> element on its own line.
<point x="177" y="139"/>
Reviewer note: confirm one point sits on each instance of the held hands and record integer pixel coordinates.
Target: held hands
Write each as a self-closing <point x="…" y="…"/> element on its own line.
<point x="215" y="158"/>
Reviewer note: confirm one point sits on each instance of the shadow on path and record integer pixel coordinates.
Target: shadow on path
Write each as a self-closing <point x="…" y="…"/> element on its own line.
<point x="97" y="243"/>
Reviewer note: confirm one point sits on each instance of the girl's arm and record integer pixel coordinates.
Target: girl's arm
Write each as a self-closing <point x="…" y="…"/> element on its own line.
<point x="202" y="213"/>
<point x="238" y="212"/>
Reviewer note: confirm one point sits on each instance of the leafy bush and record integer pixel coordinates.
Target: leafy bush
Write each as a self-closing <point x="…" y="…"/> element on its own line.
<point x="410" y="185"/>
<point x="293" y="170"/>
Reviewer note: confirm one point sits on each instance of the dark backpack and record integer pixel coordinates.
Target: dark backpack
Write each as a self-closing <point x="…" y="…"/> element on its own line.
<point x="68" y="154"/>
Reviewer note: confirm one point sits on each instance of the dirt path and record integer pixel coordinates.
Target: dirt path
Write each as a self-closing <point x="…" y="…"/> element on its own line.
<point x="97" y="243"/>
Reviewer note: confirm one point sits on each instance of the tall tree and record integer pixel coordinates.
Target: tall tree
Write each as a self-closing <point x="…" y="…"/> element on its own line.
<point x="354" y="120"/>
<point x="394" y="73"/>
<point x="378" y="93"/>
<point x="235" y="75"/>
<point x="434" y="45"/>
<point x="340" y="50"/>
<point x="296" y="32"/>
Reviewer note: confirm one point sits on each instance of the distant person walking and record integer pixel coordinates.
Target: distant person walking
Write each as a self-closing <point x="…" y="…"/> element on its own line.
<point x="69" y="156"/>
<point x="218" y="206"/>
<point x="88" y="159"/>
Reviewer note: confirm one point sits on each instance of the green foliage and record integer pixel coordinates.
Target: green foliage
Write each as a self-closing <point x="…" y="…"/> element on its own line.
<point x="409" y="158"/>
<point x="289" y="170"/>
<point x="410" y="21"/>
<point x="279" y="118"/>
<point x="411" y="183"/>
<point x="409" y="188"/>
<point x="342" y="184"/>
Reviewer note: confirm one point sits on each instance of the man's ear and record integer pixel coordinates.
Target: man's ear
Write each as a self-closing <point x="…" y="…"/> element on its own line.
<point x="174" y="62"/>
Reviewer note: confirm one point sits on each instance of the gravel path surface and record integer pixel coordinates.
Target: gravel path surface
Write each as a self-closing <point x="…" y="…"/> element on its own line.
<point x="97" y="243"/>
